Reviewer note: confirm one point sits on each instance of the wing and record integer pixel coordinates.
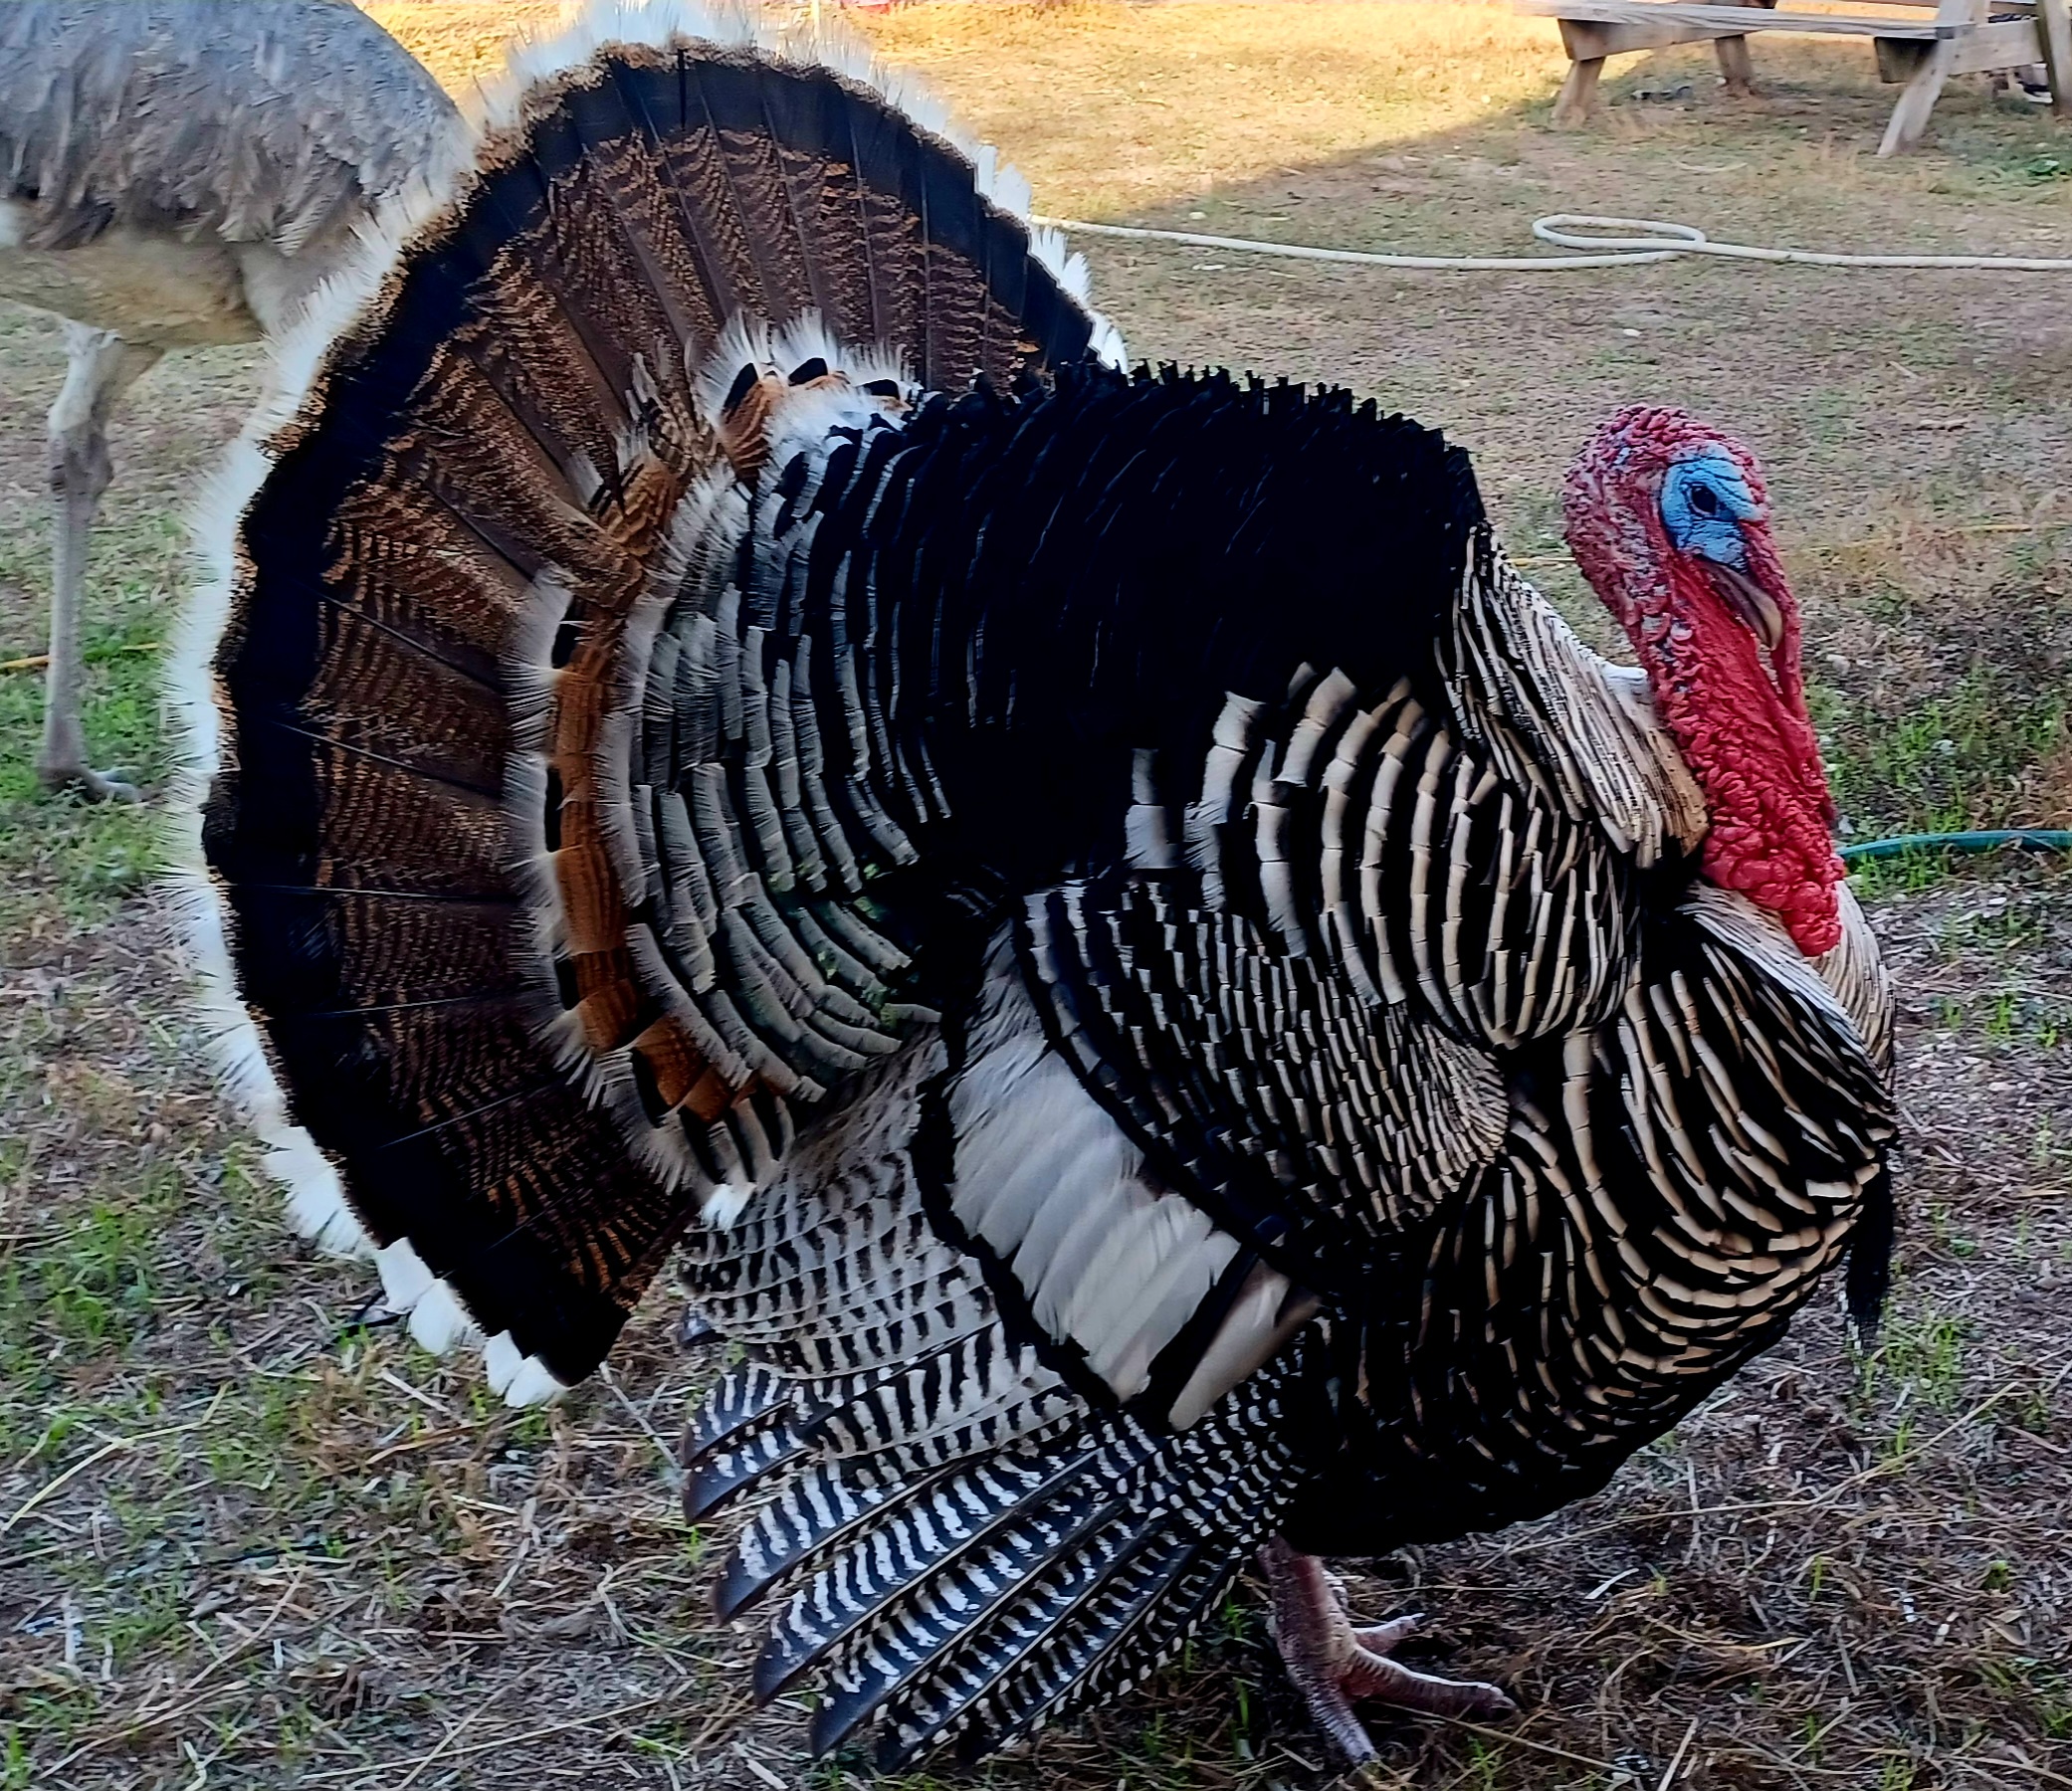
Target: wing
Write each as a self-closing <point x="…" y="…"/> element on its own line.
<point x="955" y="1544"/>
<point x="1674" y="1182"/>
<point x="1340" y="917"/>
<point x="519" y="969"/>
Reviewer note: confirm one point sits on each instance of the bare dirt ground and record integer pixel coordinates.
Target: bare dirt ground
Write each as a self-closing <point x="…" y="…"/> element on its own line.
<point x="251" y="1536"/>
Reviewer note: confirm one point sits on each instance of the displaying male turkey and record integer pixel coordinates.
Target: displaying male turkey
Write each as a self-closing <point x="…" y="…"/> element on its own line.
<point x="1159" y="993"/>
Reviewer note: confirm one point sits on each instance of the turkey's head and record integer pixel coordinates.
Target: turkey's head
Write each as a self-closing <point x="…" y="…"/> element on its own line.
<point x="1668" y="521"/>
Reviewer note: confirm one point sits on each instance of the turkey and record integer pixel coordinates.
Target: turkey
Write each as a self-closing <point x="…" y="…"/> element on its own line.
<point x="1161" y="999"/>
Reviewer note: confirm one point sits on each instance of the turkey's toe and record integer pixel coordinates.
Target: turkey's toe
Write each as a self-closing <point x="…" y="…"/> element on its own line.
<point x="1372" y="1675"/>
<point x="1383" y="1637"/>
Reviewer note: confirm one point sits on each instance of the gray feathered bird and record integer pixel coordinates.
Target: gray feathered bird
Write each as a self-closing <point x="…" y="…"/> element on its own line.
<point x="1159" y="993"/>
<point x="175" y="174"/>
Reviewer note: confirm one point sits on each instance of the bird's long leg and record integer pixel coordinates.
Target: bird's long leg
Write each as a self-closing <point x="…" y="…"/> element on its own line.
<point x="1332" y="1663"/>
<point x="100" y="368"/>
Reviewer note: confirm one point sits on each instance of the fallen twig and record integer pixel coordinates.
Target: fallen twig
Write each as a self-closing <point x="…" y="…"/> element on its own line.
<point x="105" y="1449"/>
<point x="40" y="662"/>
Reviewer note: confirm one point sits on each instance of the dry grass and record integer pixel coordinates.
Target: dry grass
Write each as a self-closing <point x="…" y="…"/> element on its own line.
<point x="250" y="1536"/>
<point x="1117" y="109"/>
<point x="1142" y="104"/>
<point x="463" y="45"/>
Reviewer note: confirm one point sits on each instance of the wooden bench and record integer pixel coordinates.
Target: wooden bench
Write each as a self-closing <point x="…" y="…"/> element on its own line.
<point x="1924" y="54"/>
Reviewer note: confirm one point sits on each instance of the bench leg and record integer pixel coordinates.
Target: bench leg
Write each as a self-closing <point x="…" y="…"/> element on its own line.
<point x="1734" y="65"/>
<point x="1578" y="94"/>
<point x="2054" y="28"/>
<point x="1918" y="98"/>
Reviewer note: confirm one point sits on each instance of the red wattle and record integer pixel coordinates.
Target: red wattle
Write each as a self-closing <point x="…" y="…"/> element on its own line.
<point x="1753" y="749"/>
<point x="1740" y="724"/>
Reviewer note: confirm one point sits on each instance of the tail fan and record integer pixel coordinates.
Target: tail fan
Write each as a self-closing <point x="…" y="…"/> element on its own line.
<point x="515" y="973"/>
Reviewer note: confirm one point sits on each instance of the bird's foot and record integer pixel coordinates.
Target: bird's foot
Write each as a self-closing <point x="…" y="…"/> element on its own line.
<point x="86" y="784"/>
<point x="1332" y="1663"/>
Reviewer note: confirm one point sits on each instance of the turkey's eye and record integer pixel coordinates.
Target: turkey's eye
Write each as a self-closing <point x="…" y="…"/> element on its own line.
<point x="1705" y="501"/>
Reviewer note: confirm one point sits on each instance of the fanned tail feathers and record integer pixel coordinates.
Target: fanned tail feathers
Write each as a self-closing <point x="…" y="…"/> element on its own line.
<point x="511" y="989"/>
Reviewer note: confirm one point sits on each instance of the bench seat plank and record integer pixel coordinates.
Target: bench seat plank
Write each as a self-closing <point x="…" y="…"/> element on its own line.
<point x="1732" y="19"/>
<point x="1923" y="53"/>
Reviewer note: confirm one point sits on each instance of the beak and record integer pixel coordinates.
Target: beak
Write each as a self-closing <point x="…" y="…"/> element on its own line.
<point x="1751" y="602"/>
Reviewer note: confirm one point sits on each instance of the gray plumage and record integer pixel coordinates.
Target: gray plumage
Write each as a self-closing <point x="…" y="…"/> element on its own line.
<point x="175" y="174"/>
<point x="278" y="123"/>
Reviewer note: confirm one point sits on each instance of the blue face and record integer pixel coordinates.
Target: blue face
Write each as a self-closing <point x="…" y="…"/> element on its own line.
<point x="1705" y="501"/>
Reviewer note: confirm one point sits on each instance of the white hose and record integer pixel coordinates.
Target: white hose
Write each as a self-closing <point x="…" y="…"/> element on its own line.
<point x="1662" y="241"/>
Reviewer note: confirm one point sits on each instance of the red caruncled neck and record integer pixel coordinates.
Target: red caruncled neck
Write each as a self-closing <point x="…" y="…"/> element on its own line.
<point x="1739" y="723"/>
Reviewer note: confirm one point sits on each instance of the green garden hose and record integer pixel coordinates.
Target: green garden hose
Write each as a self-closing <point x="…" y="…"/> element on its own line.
<point x="2035" y="839"/>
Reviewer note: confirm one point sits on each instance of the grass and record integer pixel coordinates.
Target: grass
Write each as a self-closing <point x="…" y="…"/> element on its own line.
<point x="1967" y="759"/>
<point x="251" y="1536"/>
<point x="1149" y="107"/>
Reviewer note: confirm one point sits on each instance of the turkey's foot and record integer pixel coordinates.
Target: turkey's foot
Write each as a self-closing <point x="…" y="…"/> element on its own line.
<point x="1332" y="1663"/>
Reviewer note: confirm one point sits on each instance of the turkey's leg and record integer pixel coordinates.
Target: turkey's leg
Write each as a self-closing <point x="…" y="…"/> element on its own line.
<point x="1332" y="1663"/>
<point x="100" y="368"/>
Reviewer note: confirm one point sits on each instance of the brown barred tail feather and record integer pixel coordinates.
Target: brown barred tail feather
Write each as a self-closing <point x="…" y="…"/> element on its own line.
<point x="462" y="970"/>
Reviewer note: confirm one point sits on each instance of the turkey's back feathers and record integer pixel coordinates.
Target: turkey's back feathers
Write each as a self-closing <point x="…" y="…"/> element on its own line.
<point x="921" y="660"/>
